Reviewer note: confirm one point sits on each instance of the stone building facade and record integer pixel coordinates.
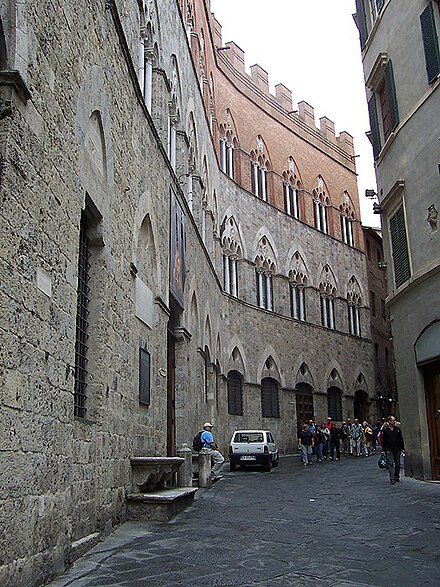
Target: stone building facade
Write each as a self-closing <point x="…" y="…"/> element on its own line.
<point x="381" y="337"/>
<point x="401" y="60"/>
<point x="178" y="245"/>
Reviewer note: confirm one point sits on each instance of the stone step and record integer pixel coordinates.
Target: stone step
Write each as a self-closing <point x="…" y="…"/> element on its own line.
<point x="160" y="505"/>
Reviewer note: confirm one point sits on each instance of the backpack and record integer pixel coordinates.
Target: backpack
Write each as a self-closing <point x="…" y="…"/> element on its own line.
<point x="368" y="433"/>
<point x="197" y="442"/>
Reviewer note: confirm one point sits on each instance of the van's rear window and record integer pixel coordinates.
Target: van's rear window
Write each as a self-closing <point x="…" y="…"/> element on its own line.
<point x="248" y="437"/>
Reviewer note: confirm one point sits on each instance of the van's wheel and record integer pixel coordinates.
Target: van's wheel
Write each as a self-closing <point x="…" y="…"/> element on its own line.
<point x="232" y="466"/>
<point x="268" y="466"/>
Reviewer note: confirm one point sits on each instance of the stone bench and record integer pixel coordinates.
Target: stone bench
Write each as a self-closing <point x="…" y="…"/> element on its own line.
<point x="154" y="495"/>
<point x="149" y="474"/>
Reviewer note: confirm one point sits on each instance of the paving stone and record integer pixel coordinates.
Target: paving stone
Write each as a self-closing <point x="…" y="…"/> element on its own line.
<point x="262" y="529"/>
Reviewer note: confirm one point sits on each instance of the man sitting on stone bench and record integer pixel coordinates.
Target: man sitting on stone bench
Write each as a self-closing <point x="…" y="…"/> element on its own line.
<point x="212" y="449"/>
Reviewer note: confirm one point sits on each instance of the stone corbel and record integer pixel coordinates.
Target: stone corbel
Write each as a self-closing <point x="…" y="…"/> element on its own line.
<point x="181" y="334"/>
<point x="11" y="85"/>
<point x="150" y="54"/>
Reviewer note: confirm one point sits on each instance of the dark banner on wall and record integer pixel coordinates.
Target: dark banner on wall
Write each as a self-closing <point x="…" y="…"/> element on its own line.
<point x="177" y="251"/>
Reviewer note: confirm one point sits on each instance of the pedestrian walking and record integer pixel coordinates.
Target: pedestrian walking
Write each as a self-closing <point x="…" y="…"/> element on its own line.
<point x="216" y="456"/>
<point x="356" y="432"/>
<point x="367" y="437"/>
<point x="375" y="430"/>
<point x="305" y="444"/>
<point x="349" y="437"/>
<point x="392" y="446"/>
<point x="318" y="442"/>
<point x="345" y="438"/>
<point x="335" y="441"/>
<point x="312" y="428"/>
<point x="325" y="427"/>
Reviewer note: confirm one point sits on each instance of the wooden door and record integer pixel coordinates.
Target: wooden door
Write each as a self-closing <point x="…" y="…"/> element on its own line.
<point x="432" y="388"/>
<point x="171" y="424"/>
<point x="304" y="409"/>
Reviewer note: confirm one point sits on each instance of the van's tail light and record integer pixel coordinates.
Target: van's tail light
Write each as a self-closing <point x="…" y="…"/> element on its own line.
<point x="266" y="449"/>
<point x="230" y="449"/>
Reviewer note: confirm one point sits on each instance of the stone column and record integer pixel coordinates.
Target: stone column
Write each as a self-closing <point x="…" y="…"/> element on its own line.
<point x="204" y="468"/>
<point x="184" y="472"/>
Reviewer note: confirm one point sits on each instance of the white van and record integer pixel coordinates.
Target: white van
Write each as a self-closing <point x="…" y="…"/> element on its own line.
<point x="253" y="447"/>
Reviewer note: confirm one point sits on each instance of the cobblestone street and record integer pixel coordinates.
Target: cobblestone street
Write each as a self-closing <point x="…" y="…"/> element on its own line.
<point x="332" y="524"/>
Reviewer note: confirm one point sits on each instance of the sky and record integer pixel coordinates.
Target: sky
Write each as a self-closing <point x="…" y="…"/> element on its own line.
<point x="312" y="47"/>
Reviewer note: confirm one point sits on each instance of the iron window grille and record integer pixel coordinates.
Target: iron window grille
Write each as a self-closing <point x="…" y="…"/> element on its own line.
<point x="235" y="393"/>
<point x="82" y="323"/>
<point x="144" y="377"/>
<point x="269" y="398"/>
<point x="334" y="403"/>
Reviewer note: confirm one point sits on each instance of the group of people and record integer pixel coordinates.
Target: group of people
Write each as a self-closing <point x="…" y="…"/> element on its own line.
<point x="326" y="440"/>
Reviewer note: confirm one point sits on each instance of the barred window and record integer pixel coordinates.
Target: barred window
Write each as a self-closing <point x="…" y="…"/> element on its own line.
<point x="82" y="323"/>
<point x="235" y="393"/>
<point x="269" y="398"/>
<point x="334" y="403"/>
<point x="144" y="377"/>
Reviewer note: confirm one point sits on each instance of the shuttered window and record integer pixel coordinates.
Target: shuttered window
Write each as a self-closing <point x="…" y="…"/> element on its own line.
<point x="235" y="393"/>
<point x="399" y="247"/>
<point x="269" y="398"/>
<point x="361" y="21"/>
<point x="391" y="90"/>
<point x="388" y="102"/>
<point x="384" y="97"/>
<point x="430" y="43"/>
<point x="374" y="124"/>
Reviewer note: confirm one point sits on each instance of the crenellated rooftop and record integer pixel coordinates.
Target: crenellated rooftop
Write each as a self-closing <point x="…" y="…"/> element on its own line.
<point x="259" y="78"/>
